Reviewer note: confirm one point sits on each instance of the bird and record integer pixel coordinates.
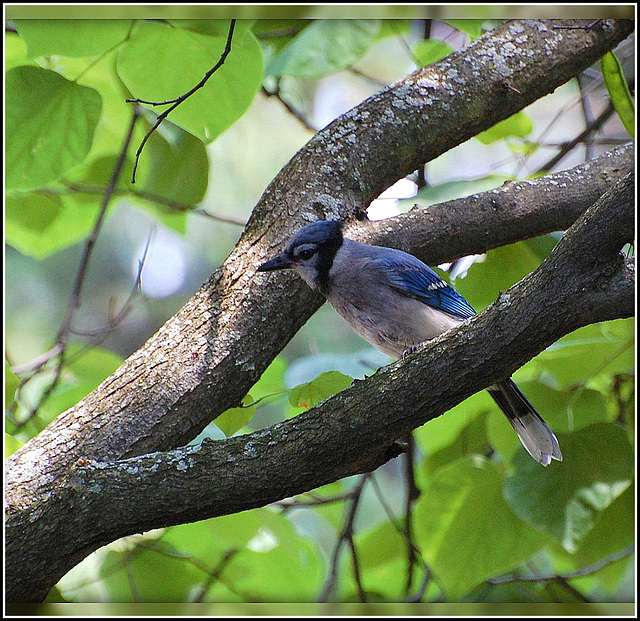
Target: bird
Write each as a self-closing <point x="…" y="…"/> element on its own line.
<point x="396" y="302"/>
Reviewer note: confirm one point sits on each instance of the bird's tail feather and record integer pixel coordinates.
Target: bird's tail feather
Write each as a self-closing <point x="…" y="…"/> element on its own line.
<point x="534" y="433"/>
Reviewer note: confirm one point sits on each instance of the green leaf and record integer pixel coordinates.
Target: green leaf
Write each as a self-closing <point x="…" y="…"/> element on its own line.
<point x="38" y="225"/>
<point x="322" y="387"/>
<point x="274" y="34"/>
<point x="214" y="27"/>
<point x="161" y="62"/>
<point x="502" y="268"/>
<point x="15" y="51"/>
<point x="271" y="381"/>
<point x="441" y="432"/>
<point x="602" y="349"/>
<point x="613" y="531"/>
<point x="234" y="419"/>
<point x="175" y="166"/>
<point x="519" y="125"/>
<point x="277" y="565"/>
<point x="619" y="91"/>
<point x="11" y="383"/>
<point x="429" y="51"/>
<point x="272" y="563"/>
<point x="11" y="445"/>
<point x="564" y="501"/>
<point x="71" y="37"/>
<point x="466" y="530"/>
<point x="209" y="538"/>
<point x="382" y="557"/>
<point x="50" y="123"/>
<point x="472" y="27"/>
<point x="153" y="573"/>
<point x="471" y="440"/>
<point x="324" y="47"/>
<point x="91" y="365"/>
<point x="393" y="28"/>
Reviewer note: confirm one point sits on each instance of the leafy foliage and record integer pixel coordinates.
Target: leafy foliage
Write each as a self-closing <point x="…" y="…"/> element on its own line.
<point x="484" y="507"/>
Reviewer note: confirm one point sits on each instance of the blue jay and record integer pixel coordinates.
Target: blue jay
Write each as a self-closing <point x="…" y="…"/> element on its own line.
<point x="395" y="302"/>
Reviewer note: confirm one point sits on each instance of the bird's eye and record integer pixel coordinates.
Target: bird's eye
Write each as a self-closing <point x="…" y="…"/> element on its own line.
<point x="306" y="254"/>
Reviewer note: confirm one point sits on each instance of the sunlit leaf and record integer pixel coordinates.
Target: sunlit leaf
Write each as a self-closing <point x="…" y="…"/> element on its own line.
<point x="599" y="349"/>
<point x="39" y="225"/>
<point x="613" y="532"/>
<point x="518" y="125"/>
<point x="50" y="123"/>
<point x="174" y="166"/>
<point x="472" y="27"/>
<point x="235" y="419"/>
<point x="11" y="445"/>
<point x="71" y="37"/>
<point x="11" y="383"/>
<point x="324" y="386"/>
<point x="619" y="91"/>
<point x="84" y="371"/>
<point x="430" y="51"/>
<point x="161" y="62"/>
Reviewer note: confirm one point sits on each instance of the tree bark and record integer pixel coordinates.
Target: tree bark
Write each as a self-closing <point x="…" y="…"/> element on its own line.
<point x="67" y="494"/>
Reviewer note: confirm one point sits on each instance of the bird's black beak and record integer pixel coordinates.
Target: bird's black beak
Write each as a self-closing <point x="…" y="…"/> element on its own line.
<point x="279" y="263"/>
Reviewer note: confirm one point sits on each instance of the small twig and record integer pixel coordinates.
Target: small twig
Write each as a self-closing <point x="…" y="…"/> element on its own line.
<point x="400" y="529"/>
<point x="215" y="574"/>
<point x="591" y="569"/>
<point x="597" y="124"/>
<point x="296" y="113"/>
<point x="346" y="536"/>
<point x="155" y="198"/>
<point x="37" y="363"/>
<point x="176" y="102"/>
<point x="419" y="594"/>
<point x="588" y="115"/>
<point x="133" y="587"/>
<point x="412" y="495"/>
<point x="126" y="307"/>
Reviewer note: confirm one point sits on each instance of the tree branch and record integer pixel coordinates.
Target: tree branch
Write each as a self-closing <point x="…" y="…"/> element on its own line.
<point x="205" y="358"/>
<point x="516" y="211"/>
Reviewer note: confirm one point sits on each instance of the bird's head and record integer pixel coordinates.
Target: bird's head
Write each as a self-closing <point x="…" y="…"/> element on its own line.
<point x="310" y="252"/>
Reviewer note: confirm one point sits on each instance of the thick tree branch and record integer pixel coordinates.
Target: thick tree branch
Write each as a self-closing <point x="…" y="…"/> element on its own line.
<point x="205" y="358"/>
<point x="354" y="431"/>
<point x="516" y="211"/>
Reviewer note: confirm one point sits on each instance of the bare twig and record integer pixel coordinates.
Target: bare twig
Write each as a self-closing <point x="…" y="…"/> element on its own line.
<point x="585" y="571"/>
<point x="176" y="102"/>
<point x="583" y="136"/>
<point x="414" y="552"/>
<point x="163" y="201"/>
<point x="296" y="113"/>
<point x="215" y="574"/>
<point x="346" y="536"/>
<point x="413" y="492"/>
<point x="126" y="307"/>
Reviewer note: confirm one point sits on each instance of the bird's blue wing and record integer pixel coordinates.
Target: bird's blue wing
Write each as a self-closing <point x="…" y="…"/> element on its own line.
<point x="412" y="277"/>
